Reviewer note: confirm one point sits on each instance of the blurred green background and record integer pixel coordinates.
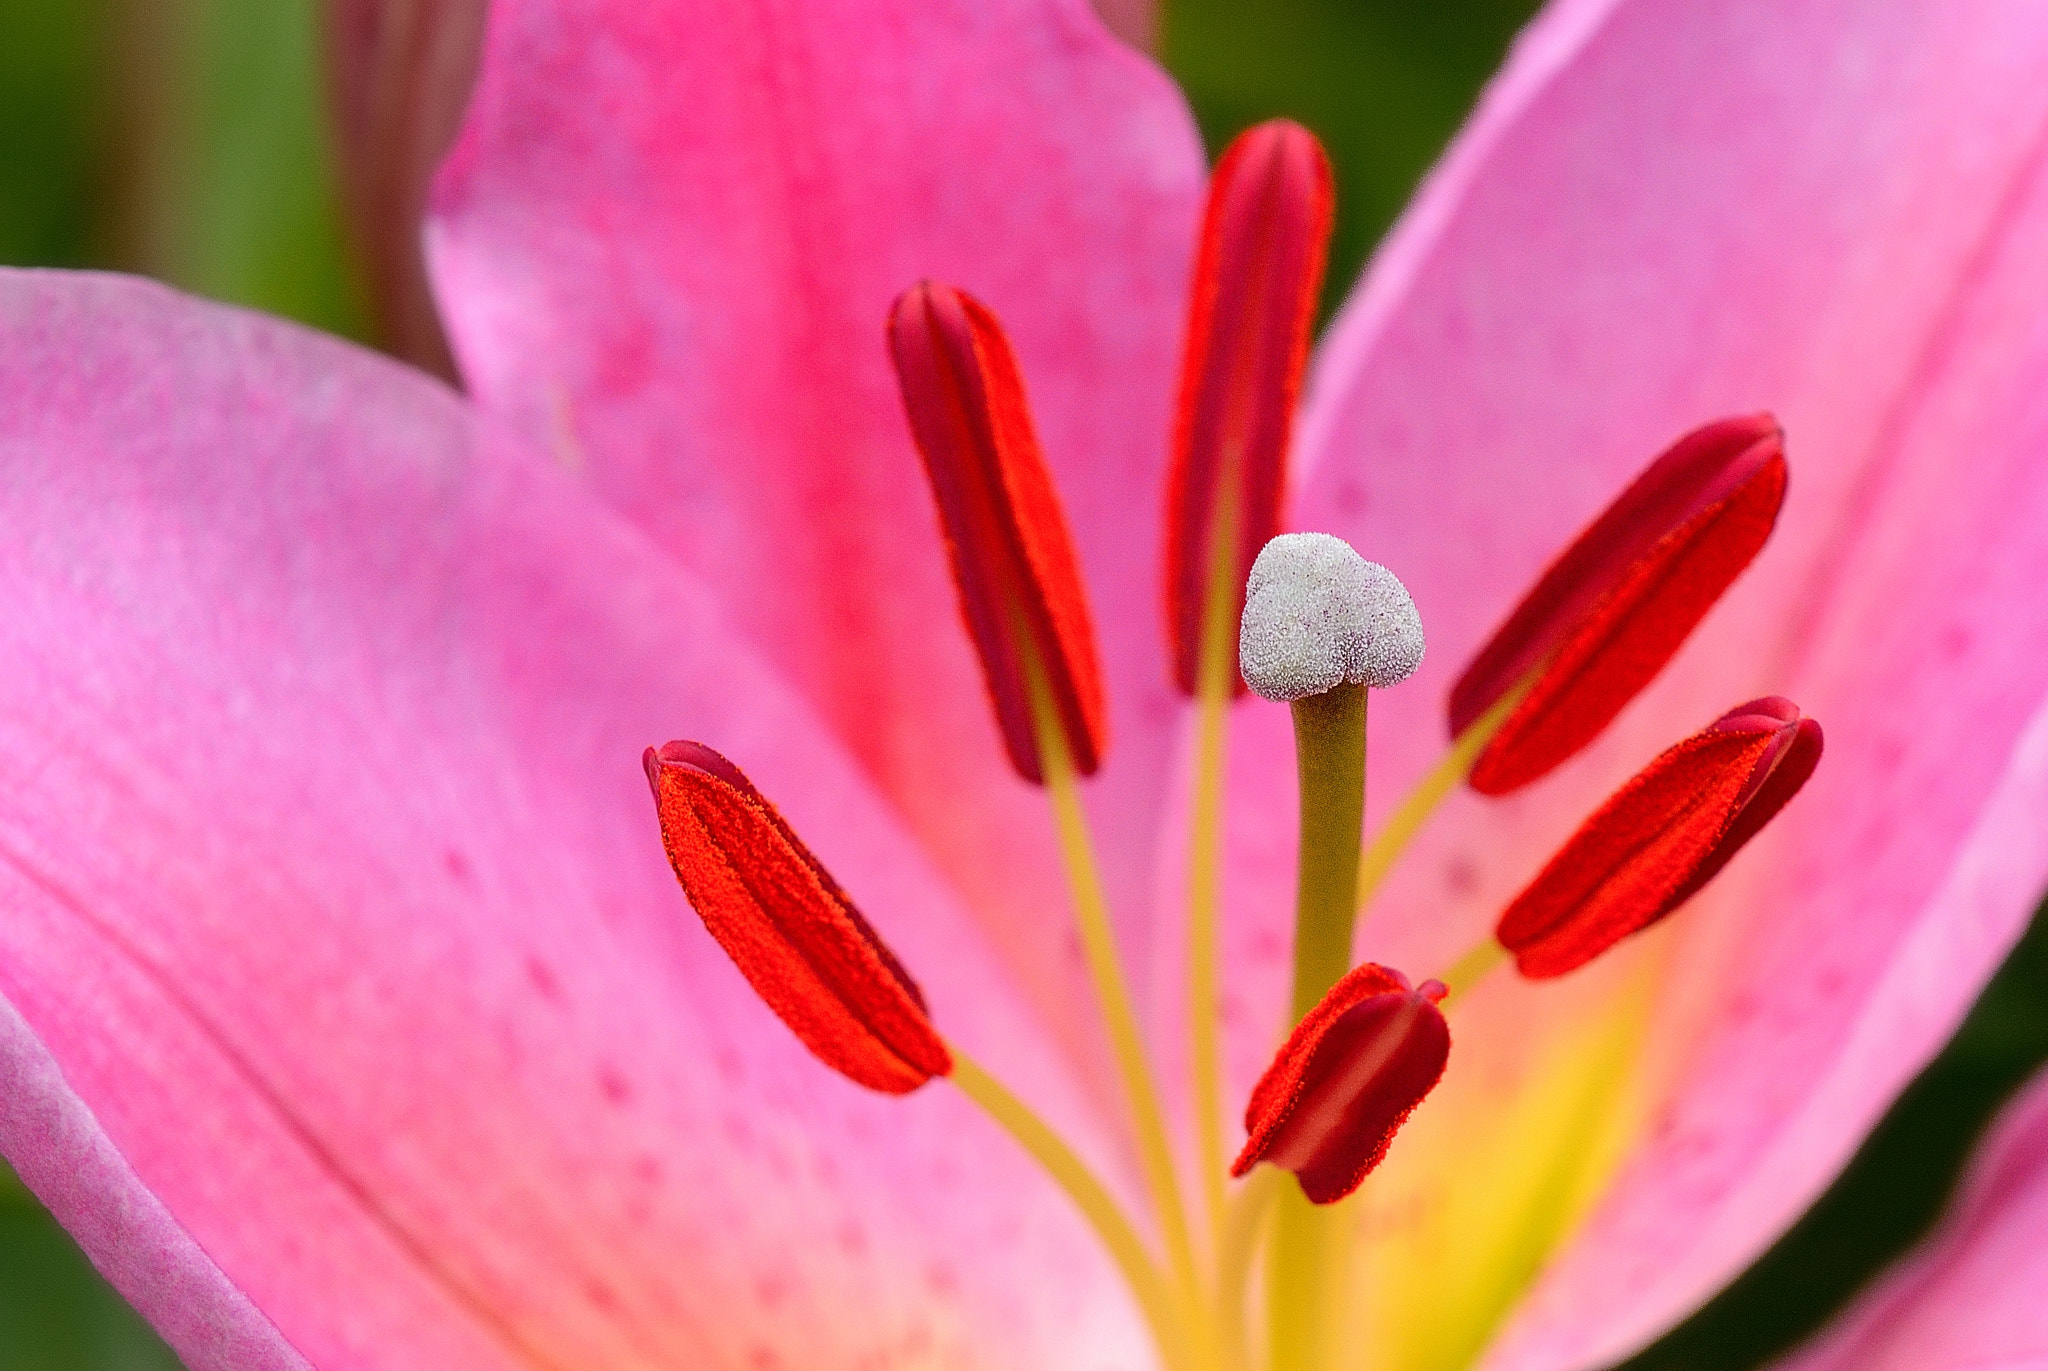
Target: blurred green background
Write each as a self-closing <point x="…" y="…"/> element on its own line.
<point x="188" y="139"/>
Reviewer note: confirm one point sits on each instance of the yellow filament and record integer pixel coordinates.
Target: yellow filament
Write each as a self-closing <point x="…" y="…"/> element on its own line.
<point x="1105" y="968"/>
<point x="1472" y="968"/>
<point x="1204" y="1004"/>
<point x="1305" y="1273"/>
<point x="1163" y="1308"/>
<point x="1244" y="1224"/>
<point x="1213" y="690"/>
<point x="1421" y="801"/>
<point x="1492" y="1177"/>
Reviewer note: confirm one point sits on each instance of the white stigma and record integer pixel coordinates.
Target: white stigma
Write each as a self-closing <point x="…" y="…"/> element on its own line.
<point x="1316" y="614"/>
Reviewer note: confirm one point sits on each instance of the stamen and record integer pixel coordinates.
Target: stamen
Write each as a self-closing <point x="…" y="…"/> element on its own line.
<point x="1317" y="615"/>
<point x="788" y="926"/>
<point x="1257" y="273"/>
<point x="1615" y="607"/>
<point x="1346" y="1079"/>
<point x="1013" y="558"/>
<point x="1661" y="837"/>
<point x="1265" y="237"/>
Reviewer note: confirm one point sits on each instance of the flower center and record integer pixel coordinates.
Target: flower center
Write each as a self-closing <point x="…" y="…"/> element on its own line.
<point x="1255" y="1273"/>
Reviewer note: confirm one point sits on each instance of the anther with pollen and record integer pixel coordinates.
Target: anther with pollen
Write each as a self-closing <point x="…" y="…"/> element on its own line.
<point x="1661" y="837"/>
<point x="1251" y="310"/>
<point x="1617" y="603"/>
<point x="1026" y="608"/>
<point x="813" y="960"/>
<point x="1346" y="1079"/>
<point x="1013" y="557"/>
<point x="1265" y="237"/>
<point x="788" y="926"/>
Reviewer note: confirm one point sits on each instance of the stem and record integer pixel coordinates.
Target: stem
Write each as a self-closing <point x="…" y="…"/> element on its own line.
<point x="1329" y="756"/>
<point x="1214" y="684"/>
<point x="1163" y="1310"/>
<point x="1329" y="747"/>
<point x="1098" y="944"/>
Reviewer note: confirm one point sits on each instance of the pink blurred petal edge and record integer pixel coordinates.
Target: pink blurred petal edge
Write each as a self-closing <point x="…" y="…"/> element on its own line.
<point x="1974" y="1295"/>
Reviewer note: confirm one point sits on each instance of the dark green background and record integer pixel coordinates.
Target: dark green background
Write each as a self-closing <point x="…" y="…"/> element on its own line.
<point x="185" y="138"/>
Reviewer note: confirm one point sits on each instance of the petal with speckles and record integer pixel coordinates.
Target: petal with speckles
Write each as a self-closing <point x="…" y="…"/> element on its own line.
<point x="342" y="978"/>
<point x="666" y="245"/>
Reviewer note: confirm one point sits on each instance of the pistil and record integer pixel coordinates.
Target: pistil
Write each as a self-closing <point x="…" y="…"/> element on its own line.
<point x="1329" y="759"/>
<point x="1321" y="625"/>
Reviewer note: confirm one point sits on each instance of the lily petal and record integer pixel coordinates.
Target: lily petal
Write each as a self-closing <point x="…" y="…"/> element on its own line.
<point x="64" y="1156"/>
<point x="1970" y="1297"/>
<point x="666" y="245"/>
<point x="332" y="894"/>
<point x="1649" y="224"/>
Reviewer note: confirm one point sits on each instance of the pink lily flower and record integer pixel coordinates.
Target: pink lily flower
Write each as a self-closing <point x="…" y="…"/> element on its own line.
<point x="349" y="1013"/>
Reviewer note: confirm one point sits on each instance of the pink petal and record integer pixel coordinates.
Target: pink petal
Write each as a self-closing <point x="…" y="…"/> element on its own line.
<point x="1834" y="211"/>
<point x="1971" y="1296"/>
<point x="63" y="1154"/>
<point x="666" y="245"/>
<point x="334" y="899"/>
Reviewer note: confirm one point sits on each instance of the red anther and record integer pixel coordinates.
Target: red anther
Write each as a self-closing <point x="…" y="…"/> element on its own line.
<point x="1013" y="558"/>
<point x="1260" y="267"/>
<point x="1623" y="597"/>
<point x="1346" y="1079"/>
<point x="790" y="928"/>
<point x="1661" y="837"/>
